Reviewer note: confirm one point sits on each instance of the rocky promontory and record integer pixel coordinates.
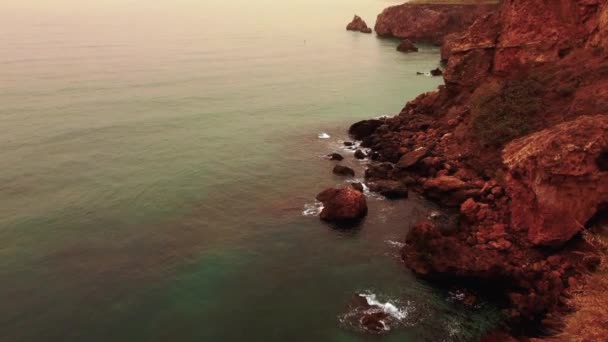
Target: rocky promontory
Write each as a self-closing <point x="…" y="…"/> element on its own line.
<point x="420" y="22"/>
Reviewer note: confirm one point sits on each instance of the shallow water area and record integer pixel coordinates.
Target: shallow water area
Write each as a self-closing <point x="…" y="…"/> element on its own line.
<point x="160" y="166"/>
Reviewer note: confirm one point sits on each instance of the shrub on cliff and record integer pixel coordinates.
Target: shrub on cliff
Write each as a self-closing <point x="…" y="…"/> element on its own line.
<point x="503" y="112"/>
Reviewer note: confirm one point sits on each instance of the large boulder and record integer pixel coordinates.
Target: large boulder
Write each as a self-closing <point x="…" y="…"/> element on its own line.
<point x="342" y="205"/>
<point x="358" y="24"/>
<point x="364" y="129"/>
<point x="557" y="179"/>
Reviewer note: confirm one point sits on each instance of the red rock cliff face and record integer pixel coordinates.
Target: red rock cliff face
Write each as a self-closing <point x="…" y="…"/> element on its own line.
<point x="428" y="22"/>
<point x="527" y="34"/>
<point x="528" y="83"/>
<point x="559" y="179"/>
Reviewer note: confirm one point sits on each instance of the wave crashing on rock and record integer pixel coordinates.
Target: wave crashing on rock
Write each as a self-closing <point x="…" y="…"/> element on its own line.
<point x="368" y="314"/>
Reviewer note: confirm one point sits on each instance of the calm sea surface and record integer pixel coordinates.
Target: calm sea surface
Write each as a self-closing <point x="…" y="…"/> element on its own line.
<point x="159" y="162"/>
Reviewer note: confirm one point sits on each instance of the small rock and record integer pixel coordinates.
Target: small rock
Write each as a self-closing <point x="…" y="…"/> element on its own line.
<point x="412" y="158"/>
<point x="436" y="72"/>
<point x="407" y="46"/>
<point x="374" y="321"/>
<point x="348" y="143"/>
<point x="357" y="186"/>
<point x="445" y="184"/>
<point x="360" y="155"/>
<point x="343" y="171"/>
<point x="335" y="156"/>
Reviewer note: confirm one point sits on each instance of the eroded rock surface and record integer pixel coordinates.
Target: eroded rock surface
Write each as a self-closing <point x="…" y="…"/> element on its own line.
<point x="513" y="79"/>
<point x="428" y="22"/>
<point x="557" y="179"/>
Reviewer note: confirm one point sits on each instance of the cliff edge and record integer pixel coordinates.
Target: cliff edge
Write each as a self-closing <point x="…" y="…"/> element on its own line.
<point x="517" y="140"/>
<point x="429" y="22"/>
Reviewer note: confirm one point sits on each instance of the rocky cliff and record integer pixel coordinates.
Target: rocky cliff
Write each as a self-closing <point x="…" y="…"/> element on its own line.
<point x="428" y="22"/>
<point x="517" y="140"/>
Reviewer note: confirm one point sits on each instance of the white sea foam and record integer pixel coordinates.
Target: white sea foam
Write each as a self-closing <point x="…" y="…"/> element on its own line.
<point x="388" y="307"/>
<point x="395" y="243"/>
<point x="313" y="209"/>
<point x="366" y="190"/>
<point x="434" y="215"/>
<point x="324" y="136"/>
<point x="453" y="328"/>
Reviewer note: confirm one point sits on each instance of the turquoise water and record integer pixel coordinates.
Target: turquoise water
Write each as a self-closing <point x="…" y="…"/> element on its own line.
<point x="157" y="158"/>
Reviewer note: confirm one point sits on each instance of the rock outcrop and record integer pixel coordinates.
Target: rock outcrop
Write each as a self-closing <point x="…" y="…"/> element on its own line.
<point x="558" y="179"/>
<point x="359" y="25"/>
<point x="363" y="129"/>
<point x="345" y="205"/>
<point x="517" y="140"/>
<point x="429" y="22"/>
<point x="407" y="46"/>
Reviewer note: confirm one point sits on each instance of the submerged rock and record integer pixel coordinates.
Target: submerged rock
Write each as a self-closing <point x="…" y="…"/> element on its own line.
<point x="359" y="25"/>
<point x="343" y="171"/>
<point x="342" y="205"/>
<point x="335" y="156"/>
<point x="406" y="46"/>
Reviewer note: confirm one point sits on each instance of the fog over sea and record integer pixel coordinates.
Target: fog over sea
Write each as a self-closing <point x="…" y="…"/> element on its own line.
<point x="159" y="163"/>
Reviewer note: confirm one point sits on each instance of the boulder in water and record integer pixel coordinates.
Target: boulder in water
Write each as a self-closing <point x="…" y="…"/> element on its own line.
<point x="342" y="205"/>
<point x="359" y="25"/>
<point x="436" y="72"/>
<point x="335" y="156"/>
<point x="344" y="171"/>
<point x="364" y="129"/>
<point x="360" y="155"/>
<point x="358" y="186"/>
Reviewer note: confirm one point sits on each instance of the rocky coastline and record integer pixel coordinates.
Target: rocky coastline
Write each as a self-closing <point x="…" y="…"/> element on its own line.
<point x="516" y="141"/>
<point x="429" y="23"/>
